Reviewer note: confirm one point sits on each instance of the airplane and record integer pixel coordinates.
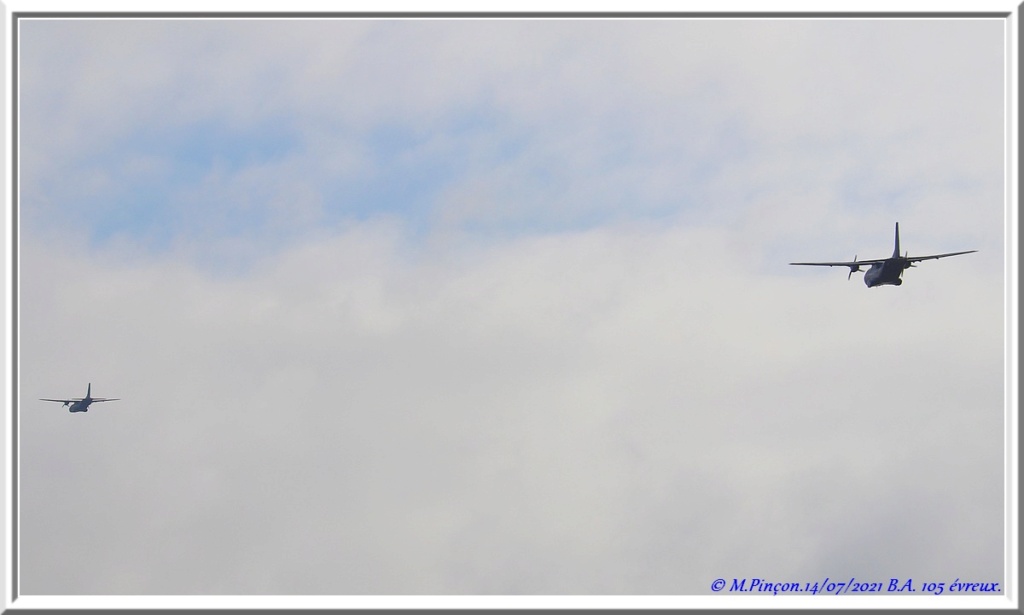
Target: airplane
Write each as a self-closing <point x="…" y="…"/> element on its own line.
<point x="886" y="270"/>
<point x="80" y="404"/>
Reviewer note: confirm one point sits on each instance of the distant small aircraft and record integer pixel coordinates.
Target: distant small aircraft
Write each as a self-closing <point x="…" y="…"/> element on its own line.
<point x="81" y="404"/>
<point x="886" y="270"/>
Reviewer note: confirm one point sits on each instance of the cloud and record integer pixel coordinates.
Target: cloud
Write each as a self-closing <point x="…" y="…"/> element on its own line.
<point x="502" y="306"/>
<point x="355" y="418"/>
<point x="537" y="124"/>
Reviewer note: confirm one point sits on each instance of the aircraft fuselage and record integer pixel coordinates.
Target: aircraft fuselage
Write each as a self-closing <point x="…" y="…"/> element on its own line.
<point x="80" y="406"/>
<point x="888" y="272"/>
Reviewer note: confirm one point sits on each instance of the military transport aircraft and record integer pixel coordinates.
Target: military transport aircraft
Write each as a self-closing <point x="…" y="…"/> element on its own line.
<point x="80" y="404"/>
<point x="886" y="270"/>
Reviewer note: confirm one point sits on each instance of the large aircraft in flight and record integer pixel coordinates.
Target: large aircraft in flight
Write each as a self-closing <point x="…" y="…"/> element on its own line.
<point x="81" y="404"/>
<point x="886" y="270"/>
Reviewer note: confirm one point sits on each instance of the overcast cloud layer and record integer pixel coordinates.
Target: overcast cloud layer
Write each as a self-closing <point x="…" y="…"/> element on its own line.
<point x="502" y="307"/>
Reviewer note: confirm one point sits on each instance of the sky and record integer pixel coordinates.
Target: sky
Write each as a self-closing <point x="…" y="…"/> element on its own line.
<point x="503" y="307"/>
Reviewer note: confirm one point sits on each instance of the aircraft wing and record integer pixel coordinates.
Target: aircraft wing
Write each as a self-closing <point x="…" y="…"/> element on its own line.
<point x="914" y="259"/>
<point x="63" y="401"/>
<point x="852" y="264"/>
<point x="95" y="399"/>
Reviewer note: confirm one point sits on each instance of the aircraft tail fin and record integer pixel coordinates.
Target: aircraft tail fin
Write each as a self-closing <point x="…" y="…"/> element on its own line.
<point x="88" y="391"/>
<point x="896" y="252"/>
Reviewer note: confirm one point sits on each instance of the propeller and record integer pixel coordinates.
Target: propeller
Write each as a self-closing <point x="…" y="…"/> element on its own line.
<point x="853" y="268"/>
<point x="909" y="264"/>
